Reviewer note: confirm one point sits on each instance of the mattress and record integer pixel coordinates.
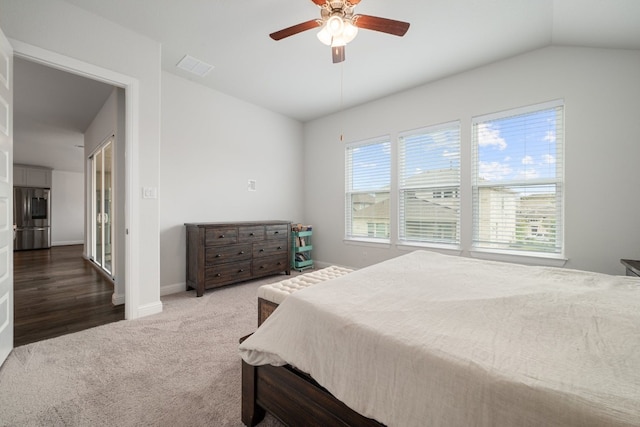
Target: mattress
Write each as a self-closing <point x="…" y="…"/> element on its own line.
<point x="430" y="339"/>
<point x="277" y="292"/>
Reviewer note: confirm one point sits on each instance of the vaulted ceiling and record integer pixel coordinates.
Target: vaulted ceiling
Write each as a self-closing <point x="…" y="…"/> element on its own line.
<point x="296" y="77"/>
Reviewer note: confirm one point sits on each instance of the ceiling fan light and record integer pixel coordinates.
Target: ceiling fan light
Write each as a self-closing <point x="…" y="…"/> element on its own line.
<point x="324" y="36"/>
<point x="350" y="32"/>
<point x="338" y="41"/>
<point x="335" y="25"/>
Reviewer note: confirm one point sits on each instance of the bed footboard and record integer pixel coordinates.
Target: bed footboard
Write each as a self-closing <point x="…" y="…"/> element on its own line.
<point x="293" y="398"/>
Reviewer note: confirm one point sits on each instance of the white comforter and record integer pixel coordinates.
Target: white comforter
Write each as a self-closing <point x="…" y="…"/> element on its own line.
<point x="434" y="340"/>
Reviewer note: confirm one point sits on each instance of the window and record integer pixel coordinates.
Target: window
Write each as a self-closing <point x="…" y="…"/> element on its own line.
<point x="518" y="180"/>
<point x="368" y="175"/>
<point x="429" y="186"/>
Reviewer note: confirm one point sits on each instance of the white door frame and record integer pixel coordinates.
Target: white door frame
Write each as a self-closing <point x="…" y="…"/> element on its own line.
<point x="132" y="105"/>
<point x="6" y="184"/>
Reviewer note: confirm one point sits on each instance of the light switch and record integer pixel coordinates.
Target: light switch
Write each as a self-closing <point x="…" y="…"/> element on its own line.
<point x="251" y="185"/>
<point x="149" y="193"/>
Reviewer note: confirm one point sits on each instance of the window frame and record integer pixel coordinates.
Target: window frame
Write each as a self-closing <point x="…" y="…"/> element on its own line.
<point x="440" y="191"/>
<point x="386" y="145"/>
<point x="558" y="181"/>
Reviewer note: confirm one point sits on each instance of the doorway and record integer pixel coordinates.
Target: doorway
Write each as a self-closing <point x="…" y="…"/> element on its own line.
<point x="58" y="290"/>
<point x="129" y="268"/>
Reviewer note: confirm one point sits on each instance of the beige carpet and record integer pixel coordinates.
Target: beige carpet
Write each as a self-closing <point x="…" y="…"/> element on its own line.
<point x="177" y="368"/>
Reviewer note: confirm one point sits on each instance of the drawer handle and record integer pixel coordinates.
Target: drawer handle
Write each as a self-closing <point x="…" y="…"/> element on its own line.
<point x="276" y="232"/>
<point x="261" y="250"/>
<point x="218" y="275"/>
<point x="262" y="267"/>
<point x="279" y="247"/>
<point x="221" y="236"/>
<point x="218" y="255"/>
<point x="251" y="234"/>
<point x="241" y="270"/>
<point x="241" y="252"/>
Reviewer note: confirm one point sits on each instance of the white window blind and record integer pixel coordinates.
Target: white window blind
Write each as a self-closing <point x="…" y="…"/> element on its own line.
<point x="429" y="185"/>
<point x="518" y="180"/>
<point x="368" y="176"/>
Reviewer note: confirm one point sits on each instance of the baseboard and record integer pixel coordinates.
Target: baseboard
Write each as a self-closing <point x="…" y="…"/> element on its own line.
<point x="172" y="289"/>
<point x="68" y="243"/>
<point x="149" y="309"/>
<point x="117" y="299"/>
<point x="319" y="264"/>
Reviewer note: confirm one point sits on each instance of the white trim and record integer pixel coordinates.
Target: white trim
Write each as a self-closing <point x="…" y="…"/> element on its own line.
<point x="4" y="122"/>
<point x="551" y="260"/>
<point x="68" y="243"/>
<point x="173" y="289"/>
<point x="431" y="128"/>
<point x="5" y="75"/>
<point x="518" y="111"/>
<point x="117" y="299"/>
<point x="132" y="99"/>
<point x="5" y="300"/>
<point x="149" y="309"/>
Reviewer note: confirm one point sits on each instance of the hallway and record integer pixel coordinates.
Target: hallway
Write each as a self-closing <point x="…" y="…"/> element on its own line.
<point x="57" y="292"/>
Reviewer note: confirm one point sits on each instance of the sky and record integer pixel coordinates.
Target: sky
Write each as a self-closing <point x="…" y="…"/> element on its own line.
<point x="516" y="150"/>
<point x="520" y="148"/>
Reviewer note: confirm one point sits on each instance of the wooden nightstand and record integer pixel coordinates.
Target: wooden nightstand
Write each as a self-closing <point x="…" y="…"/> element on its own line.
<point x="632" y="266"/>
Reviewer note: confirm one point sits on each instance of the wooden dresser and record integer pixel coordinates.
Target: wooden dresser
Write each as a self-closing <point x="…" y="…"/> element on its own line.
<point x="222" y="253"/>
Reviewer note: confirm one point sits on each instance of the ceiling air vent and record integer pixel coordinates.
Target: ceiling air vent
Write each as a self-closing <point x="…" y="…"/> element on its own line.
<point x="194" y="66"/>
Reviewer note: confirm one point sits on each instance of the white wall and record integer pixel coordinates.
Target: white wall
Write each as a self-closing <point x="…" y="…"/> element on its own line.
<point x="212" y="144"/>
<point x="67" y="208"/>
<point x="601" y="91"/>
<point x="64" y="29"/>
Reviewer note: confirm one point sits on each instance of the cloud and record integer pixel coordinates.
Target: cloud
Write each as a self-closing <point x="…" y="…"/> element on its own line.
<point x="548" y="159"/>
<point x="550" y="136"/>
<point x="494" y="171"/>
<point x="490" y="137"/>
<point x="524" y="174"/>
<point x="527" y="160"/>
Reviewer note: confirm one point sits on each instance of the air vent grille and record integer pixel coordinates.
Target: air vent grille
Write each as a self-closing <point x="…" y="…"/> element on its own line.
<point x="194" y="66"/>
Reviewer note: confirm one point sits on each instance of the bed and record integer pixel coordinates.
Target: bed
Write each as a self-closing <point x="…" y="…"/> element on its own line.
<point x="437" y="340"/>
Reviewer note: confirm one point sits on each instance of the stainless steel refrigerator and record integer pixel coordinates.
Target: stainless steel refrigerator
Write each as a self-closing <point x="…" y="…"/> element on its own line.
<point x="31" y="216"/>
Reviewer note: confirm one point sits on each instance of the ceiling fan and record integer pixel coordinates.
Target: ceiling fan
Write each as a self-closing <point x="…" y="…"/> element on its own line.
<point x="340" y="25"/>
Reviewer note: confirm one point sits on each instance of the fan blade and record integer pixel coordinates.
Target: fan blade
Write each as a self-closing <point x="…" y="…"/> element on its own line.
<point x="279" y="35"/>
<point x="384" y="25"/>
<point x="319" y="2"/>
<point x="354" y="2"/>
<point x="337" y="52"/>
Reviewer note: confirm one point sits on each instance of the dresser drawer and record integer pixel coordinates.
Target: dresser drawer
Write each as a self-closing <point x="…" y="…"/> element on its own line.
<point x="227" y="273"/>
<point x="216" y="255"/>
<point x="222" y="253"/>
<point x="251" y="234"/>
<point x="270" y="248"/>
<point x="220" y="236"/>
<point x="269" y="265"/>
<point x="279" y="231"/>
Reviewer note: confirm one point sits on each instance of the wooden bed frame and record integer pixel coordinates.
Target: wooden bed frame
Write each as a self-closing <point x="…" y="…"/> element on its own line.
<point x="291" y="396"/>
<point x="294" y="398"/>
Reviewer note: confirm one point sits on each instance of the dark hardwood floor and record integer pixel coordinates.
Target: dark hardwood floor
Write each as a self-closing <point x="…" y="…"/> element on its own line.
<point x="57" y="292"/>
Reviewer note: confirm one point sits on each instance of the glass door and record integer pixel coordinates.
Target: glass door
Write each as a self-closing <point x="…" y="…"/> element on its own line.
<point x="102" y="206"/>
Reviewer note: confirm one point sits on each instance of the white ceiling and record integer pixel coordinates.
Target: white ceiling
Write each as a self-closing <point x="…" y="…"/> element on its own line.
<point x="52" y="111"/>
<point x="296" y="76"/>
